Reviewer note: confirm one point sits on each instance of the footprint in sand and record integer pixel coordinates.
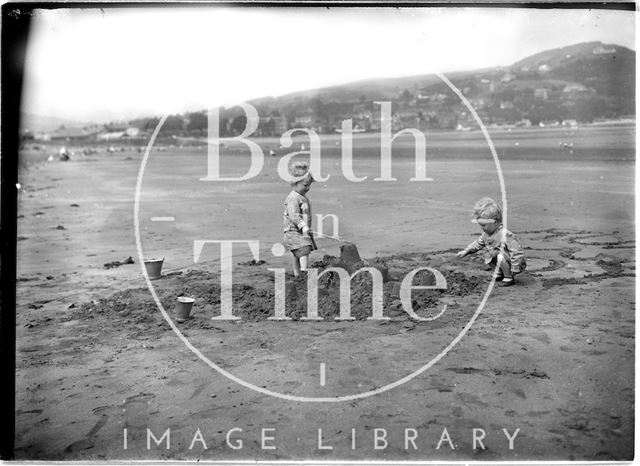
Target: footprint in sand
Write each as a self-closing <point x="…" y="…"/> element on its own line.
<point x="136" y="409"/>
<point x="472" y="400"/>
<point x="198" y="390"/>
<point x="86" y="443"/>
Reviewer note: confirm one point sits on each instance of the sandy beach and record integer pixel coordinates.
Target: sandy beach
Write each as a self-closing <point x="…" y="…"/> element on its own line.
<point x="98" y="366"/>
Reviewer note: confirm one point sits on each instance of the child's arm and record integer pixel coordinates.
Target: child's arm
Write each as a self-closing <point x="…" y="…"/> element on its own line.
<point x="296" y="214"/>
<point x="473" y="247"/>
<point x="515" y="252"/>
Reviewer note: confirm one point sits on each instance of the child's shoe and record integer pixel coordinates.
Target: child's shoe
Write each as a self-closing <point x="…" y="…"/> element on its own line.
<point x="507" y="282"/>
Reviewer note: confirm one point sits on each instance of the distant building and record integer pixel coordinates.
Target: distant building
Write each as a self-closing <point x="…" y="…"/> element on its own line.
<point x="573" y="124"/>
<point x="541" y="93"/>
<point x="507" y="77"/>
<point x="461" y="127"/>
<point x="360" y="107"/>
<point x="549" y="124"/>
<point x="70" y="134"/>
<point x="544" y="68"/>
<point x="302" y="120"/>
<point x="42" y="136"/>
<point x="366" y="115"/>
<point x="110" y="136"/>
<point x="602" y="50"/>
<point x="280" y="124"/>
<point x="116" y="126"/>
<point x="273" y="125"/>
<point x="132" y="132"/>
<point x="574" y="88"/>
<point x="478" y="104"/>
<point x="506" y="105"/>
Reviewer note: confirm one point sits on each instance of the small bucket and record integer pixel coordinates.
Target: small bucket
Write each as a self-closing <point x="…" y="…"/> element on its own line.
<point x="183" y="308"/>
<point x="154" y="267"/>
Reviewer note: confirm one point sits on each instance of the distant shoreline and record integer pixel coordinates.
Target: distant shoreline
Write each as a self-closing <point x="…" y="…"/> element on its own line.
<point x="622" y="123"/>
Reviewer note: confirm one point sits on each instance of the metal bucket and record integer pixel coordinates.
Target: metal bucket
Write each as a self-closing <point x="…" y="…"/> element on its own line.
<point x="154" y="267"/>
<point x="183" y="308"/>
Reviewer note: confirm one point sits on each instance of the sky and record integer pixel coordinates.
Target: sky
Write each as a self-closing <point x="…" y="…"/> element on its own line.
<point x="119" y="63"/>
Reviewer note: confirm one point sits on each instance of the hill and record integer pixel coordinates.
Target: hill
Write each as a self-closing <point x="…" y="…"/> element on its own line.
<point x="45" y="124"/>
<point x="581" y="82"/>
<point x="576" y="84"/>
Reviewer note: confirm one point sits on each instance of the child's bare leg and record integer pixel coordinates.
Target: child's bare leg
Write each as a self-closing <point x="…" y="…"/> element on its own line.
<point x="505" y="266"/>
<point x="296" y="266"/>
<point x="304" y="263"/>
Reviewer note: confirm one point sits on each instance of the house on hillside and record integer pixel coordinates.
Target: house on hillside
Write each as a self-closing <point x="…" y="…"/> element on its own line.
<point x="111" y="136"/>
<point x="361" y="107"/>
<point x="42" y="136"/>
<point x="478" y="104"/>
<point x="602" y="50"/>
<point x="273" y="125"/>
<point x="575" y="87"/>
<point x="132" y="132"/>
<point x="280" y="124"/>
<point x="406" y="118"/>
<point x="544" y="68"/>
<point x="549" y="124"/>
<point x="541" y="93"/>
<point x="576" y="91"/>
<point x="507" y="77"/>
<point x="73" y="134"/>
<point x="116" y="126"/>
<point x="573" y="124"/>
<point x="302" y="120"/>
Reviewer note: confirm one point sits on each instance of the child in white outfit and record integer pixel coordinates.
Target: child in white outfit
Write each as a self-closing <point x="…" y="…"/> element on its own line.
<point x="297" y="218"/>
<point x="499" y="245"/>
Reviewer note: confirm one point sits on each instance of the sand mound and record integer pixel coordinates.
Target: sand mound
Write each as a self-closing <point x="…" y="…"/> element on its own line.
<point x="256" y="301"/>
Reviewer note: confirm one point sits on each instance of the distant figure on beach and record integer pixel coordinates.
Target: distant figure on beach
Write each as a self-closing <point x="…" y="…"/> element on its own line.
<point x="297" y="218"/>
<point x="499" y="245"/>
<point x="567" y="147"/>
<point x="63" y="154"/>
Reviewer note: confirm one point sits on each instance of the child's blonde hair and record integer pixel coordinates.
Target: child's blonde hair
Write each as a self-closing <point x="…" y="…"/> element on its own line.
<point x="487" y="208"/>
<point x="300" y="172"/>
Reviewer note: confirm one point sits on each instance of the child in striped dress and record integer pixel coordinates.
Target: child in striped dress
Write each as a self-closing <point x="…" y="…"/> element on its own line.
<point x="499" y="245"/>
<point x="297" y="218"/>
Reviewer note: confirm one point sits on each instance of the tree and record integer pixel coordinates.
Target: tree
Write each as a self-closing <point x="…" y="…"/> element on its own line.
<point x="238" y="124"/>
<point x="590" y="108"/>
<point x="145" y="124"/>
<point x="197" y="121"/>
<point x="172" y="124"/>
<point x="317" y="107"/>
